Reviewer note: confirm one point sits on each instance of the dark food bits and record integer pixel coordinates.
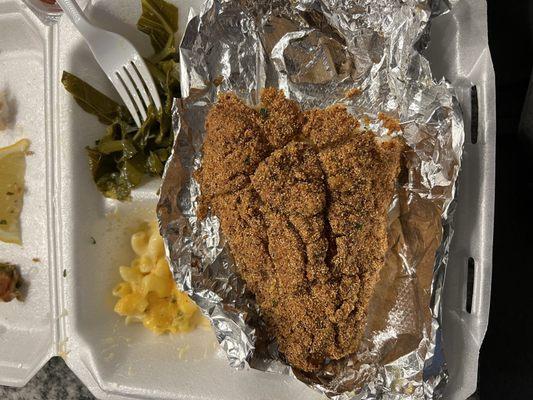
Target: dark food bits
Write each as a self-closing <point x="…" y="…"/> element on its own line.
<point x="10" y="283"/>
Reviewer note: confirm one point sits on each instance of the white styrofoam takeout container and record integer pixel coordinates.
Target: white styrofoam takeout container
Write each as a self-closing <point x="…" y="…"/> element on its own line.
<point x="68" y="310"/>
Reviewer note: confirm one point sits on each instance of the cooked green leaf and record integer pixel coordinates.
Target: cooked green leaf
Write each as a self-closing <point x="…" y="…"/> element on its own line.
<point x="155" y="166"/>
<point x="163" y="154"/>
<point x="159" y="20"/>
<point x="125" y="154"/>
<point x="114" y="186"/>
<point x="117" y="130"/>
<point x="100" y="164"/>
<point x="92" y="100"/>
<point x="144" y="133"/>
<point x="114" y="146"/>
<point x="170" y="69"/>
<point x="132" y="173"/>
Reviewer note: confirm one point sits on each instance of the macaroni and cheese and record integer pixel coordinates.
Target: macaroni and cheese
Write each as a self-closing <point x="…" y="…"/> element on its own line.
<point x="148" y="294"/>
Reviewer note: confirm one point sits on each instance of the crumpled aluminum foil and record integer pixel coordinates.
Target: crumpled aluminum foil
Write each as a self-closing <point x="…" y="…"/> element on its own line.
<point x="316" y="51"/>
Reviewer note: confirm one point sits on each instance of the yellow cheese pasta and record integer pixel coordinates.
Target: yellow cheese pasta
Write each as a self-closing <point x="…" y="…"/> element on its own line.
<point x="148" y="294"/>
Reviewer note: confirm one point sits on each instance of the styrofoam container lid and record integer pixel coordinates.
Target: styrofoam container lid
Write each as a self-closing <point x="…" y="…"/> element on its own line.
<point x="69" y="307"/>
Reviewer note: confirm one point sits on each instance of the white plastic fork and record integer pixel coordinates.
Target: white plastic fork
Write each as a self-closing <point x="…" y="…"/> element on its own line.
<point x="120" y="61"/>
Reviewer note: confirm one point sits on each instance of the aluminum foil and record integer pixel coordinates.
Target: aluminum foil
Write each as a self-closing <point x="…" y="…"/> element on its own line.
<point x="317" y="51"/>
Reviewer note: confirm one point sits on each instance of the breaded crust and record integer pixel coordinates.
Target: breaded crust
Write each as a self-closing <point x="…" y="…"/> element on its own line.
<point x="302" y="198"/>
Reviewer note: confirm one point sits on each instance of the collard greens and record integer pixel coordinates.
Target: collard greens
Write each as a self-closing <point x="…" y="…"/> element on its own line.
<point x="125" y="153"/>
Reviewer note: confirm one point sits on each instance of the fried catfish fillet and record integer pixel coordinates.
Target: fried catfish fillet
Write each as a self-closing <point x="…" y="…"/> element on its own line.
<point x="302" y="197"/>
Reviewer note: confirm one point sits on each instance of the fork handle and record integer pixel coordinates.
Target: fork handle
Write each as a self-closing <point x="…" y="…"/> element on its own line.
<point x="72" y="9"/>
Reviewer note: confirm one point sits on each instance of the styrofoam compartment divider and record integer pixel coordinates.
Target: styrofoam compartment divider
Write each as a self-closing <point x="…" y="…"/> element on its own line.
<point x="28" y="331"/>
<point x="74" y="239"/>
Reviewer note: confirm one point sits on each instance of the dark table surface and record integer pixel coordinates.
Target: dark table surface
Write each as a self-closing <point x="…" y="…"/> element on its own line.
<point x="53" y="382"/>
<point x="506" y="365"/>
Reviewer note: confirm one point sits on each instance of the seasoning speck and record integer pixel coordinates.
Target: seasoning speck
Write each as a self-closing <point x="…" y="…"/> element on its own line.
<point x="263" y="112"/>
<point x="3" y="222"/>
<point x="64" y="273"/>
<point x="352" y="92"/>
<point x="36" y="260"/>
<point x="93" y="240"/>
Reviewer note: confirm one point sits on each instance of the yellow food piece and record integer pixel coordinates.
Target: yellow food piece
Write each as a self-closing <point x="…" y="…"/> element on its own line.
<point x="122" y="289"/>
<point x="131" y="305"/>
<point x="162" y="270"/>
<point x="148" y="293"/>
<point x="12" y="169"/>
<point x="145" y="264"/>
<point x="139" y="242"/>
<point x="131" y="274"/>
